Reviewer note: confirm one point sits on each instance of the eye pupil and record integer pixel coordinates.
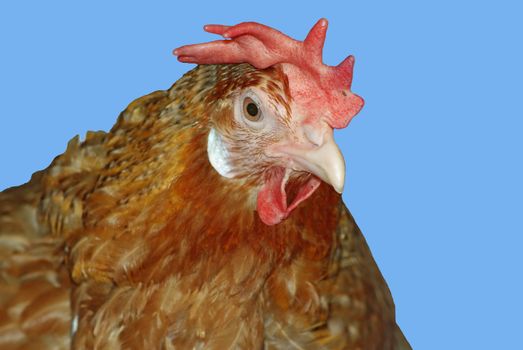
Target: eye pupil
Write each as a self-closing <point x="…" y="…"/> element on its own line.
<point x="252" y="109"/>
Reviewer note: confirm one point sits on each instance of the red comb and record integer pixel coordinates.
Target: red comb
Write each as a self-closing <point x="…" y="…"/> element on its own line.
<point x="319" y="90"/>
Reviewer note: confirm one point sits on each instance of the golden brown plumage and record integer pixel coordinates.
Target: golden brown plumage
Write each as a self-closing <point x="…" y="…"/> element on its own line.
<point x="132" y="240"/>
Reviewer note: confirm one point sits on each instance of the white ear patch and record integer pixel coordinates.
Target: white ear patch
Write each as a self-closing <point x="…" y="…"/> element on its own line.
<point x="74" y="325"/>
<point x="218" y="154"/>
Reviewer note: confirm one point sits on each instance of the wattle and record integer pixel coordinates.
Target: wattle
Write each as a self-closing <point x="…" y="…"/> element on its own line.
<point x="272" y="204"/>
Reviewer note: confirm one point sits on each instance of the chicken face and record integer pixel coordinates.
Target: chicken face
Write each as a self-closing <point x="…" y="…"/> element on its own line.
<point x="284" y="109"/>
<point x="265" y="137"/>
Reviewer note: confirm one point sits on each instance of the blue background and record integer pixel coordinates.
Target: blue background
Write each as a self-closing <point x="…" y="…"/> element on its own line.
<point x="434" y="159"/>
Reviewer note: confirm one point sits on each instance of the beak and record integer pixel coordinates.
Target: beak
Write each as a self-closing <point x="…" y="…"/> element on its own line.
<point x="323" y="160"/>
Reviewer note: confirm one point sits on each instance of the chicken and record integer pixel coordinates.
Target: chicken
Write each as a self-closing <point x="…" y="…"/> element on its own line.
<point x="209" y="217"/>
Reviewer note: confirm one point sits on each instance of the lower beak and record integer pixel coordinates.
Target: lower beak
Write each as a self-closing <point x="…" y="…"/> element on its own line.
<point x="324" y="161"/>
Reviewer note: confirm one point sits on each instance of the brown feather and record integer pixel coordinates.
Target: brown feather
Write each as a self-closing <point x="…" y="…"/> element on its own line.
<point x="133" y="234"/>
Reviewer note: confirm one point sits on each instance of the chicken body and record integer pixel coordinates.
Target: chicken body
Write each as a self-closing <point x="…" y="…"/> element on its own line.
<point x="132" y="240"/>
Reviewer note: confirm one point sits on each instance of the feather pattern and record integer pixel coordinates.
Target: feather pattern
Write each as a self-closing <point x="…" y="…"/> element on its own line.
<point x="134" y="236"/>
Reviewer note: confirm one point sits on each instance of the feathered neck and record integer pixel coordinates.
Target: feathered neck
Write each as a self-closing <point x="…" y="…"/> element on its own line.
<point x="208" y="217"/>
<point x="195" y="225"/>
<point x="152" y="205"/>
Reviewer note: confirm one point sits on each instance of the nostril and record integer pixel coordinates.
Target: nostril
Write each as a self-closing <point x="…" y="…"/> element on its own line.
<point x="315" y="133"/>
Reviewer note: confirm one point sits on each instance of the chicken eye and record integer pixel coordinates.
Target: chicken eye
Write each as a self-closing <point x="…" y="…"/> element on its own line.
<point x="251" y="111"/>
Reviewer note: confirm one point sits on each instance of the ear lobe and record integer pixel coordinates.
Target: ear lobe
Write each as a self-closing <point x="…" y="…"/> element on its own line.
<point x="218" y="154"/>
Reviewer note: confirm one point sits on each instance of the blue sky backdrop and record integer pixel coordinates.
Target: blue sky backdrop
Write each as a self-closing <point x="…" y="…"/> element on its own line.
<point x="434" y="159"/>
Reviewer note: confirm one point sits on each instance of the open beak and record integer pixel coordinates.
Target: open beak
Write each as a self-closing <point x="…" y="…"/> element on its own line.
<point x="323" y="160"/>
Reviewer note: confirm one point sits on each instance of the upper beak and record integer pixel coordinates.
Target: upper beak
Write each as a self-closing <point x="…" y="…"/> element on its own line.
<point x="323" y="160"/>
